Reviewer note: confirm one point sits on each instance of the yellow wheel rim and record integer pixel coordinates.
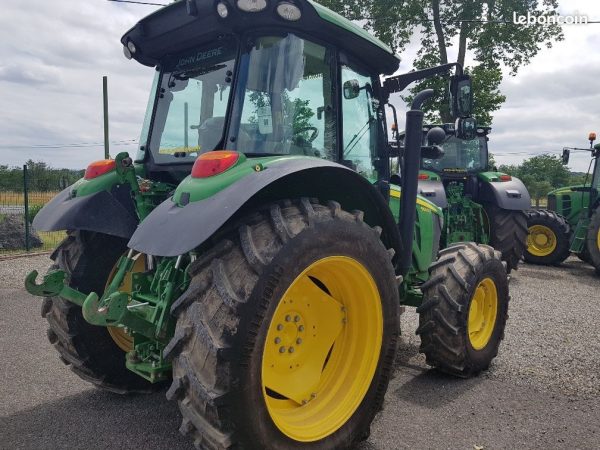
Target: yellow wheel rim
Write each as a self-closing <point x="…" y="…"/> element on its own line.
<point x="598" y="239"/>
<point x="541" y="240"/>
<point x="322" y="349"/>
<point x="482" y="314"/>
<point x="123" y="339"/>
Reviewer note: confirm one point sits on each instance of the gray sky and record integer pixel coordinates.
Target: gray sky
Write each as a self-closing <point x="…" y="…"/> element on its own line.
<point x="53" y="55"/>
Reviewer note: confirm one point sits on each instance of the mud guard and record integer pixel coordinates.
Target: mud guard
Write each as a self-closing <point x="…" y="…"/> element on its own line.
<point x="171" y="230"/>
<point x="434" y="192"/>
<point x="105" y="212"/>
<point x="511" y="195"/>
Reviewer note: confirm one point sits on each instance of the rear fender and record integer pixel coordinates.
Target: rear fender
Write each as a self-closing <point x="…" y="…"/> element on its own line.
<point x="511" y="195"/>
<point x="171" y="230"/>
<point x="109" y="212"/>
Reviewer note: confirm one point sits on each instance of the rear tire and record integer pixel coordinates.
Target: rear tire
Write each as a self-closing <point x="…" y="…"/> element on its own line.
<point x="549" y="238"/>
<point x="466" y="282"/>
<point x="508" y="234"/>
<point x="592" y="241"/>
<point x="221" y="351"/>
<point x="89" y="351"/>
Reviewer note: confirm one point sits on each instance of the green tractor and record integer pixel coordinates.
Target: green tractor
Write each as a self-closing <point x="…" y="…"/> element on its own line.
<point x="254" y="254"/>
<point x="571" y="224"/>
<point x="479" y="203"/>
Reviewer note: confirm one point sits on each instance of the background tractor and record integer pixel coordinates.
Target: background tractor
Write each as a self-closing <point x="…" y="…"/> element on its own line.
<point x="264" y="281"/>
<point x="479" y="203"/>
<point x="571" y="224"/>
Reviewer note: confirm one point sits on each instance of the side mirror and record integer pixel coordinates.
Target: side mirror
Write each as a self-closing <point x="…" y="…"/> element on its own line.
<point x="565" y="156"/>
<point x="466" y="128"/>
<point x="351" y="89"/>
<point x="461" y="96"/>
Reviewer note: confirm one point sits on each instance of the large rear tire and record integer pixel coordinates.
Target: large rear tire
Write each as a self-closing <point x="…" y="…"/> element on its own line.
<point x="89" y="350"/>
<point x="464" y="309"/>
<point x="287" y="334"/>
<point x="592" y="241"/>
<point x="549" y="238"/>
<point x="508" y="234"/>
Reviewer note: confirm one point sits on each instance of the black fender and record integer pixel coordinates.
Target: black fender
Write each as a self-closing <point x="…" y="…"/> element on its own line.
<point x="171" y="230"/>
<point x="511" y="195"/>
<point x="434" y="192"/>
<point x="105" y="212"/>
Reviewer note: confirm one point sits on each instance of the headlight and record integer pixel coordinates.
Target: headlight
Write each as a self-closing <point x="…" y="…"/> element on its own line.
<point x="126" y="52"/>
<point x="222" y="10"/>
<point x="131" y="47"/>
<point x="252" y="5"/>
<point x="289" y="11"/>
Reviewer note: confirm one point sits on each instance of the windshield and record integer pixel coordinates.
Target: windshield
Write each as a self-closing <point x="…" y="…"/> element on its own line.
<point x="460" y="155"/>
<point x="192" y="103"/>
<point x="287" y="106"/>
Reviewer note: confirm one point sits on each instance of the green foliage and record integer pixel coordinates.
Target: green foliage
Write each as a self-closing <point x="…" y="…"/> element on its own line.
<point x="484" y="29"/>
<point x="41" y="177"/>
<point x="32" y="212"/>
<point x="540" y="174"/>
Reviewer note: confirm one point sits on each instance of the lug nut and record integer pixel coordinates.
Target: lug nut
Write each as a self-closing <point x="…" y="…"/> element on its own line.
<point x="277" y="340"/>
<point x="279" y="327"/>
<point x="288" y="318"/>
<point x="297" y="319"/>
<point x="282" y="349"/>
<point x="291" y="350"/>
<point x="298" y="341"/>
<point x="301" y="328"/>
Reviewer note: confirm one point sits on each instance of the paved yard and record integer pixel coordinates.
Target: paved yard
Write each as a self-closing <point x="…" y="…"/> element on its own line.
<point x="543" y="390"/>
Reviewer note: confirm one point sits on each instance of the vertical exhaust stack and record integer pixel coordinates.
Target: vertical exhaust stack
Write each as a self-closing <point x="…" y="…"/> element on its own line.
<point x="410" y="173"/>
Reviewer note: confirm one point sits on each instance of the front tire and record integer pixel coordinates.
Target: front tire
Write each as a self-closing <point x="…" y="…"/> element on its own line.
<point x="286" y="336"/>
<point x="549" y="238"/>
<point x="508" y="234"/>
<point x="464" y="309"/>
<point x="592" y="242"/>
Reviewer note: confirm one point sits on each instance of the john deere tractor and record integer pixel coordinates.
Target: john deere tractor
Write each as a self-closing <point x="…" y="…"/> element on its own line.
<point x="479" y="203"/>
<point x="254" y="254"/>
<point x="571" y="224"/>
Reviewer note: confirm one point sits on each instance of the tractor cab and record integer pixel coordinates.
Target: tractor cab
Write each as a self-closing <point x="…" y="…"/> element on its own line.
<point x="263" y="79"/>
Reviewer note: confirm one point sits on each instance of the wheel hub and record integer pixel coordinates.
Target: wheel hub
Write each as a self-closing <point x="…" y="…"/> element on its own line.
<point x="322" y="348"/>
<point x="482" y="314"/>
<point x="541" y="240"/>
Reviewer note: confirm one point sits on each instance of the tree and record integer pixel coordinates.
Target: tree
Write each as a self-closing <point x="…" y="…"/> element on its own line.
<point x="484" y="29"/>
<point x="540" y="174"/>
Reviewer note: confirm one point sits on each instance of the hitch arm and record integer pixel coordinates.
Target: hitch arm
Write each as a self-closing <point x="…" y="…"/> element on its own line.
<point x="53" y="286"/>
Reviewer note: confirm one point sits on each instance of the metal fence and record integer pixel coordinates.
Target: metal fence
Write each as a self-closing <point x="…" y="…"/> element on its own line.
<point x="21" y="198"/>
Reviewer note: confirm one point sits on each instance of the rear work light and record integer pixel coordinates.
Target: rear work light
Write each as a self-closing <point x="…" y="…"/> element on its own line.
<point x="98" y="168"/>
<point x="214" y="163"/>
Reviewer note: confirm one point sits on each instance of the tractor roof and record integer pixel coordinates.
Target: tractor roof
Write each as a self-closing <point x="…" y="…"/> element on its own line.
<point x="190" y="23"/>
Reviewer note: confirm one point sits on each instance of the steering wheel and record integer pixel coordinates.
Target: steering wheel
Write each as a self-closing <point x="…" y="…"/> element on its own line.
<point x="312" y="137"/>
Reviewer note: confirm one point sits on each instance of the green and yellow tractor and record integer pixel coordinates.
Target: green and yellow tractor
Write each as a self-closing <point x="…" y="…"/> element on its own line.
<point x="254" y="255"/>
<point x="479" y="203"/>
<point x="571" y="223"/>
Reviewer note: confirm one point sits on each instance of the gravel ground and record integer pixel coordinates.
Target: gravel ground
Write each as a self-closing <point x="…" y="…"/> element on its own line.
<point x="542" y="391"/>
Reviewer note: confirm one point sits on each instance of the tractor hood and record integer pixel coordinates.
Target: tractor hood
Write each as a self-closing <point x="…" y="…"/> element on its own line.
<point x="189" y="23"/>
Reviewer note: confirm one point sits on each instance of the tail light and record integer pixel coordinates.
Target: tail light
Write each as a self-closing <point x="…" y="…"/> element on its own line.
<point x="213" y="163"/>
<point x="423" y="176"/>
<point x="505" y="178"/>
<point x="98" y="168"/>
